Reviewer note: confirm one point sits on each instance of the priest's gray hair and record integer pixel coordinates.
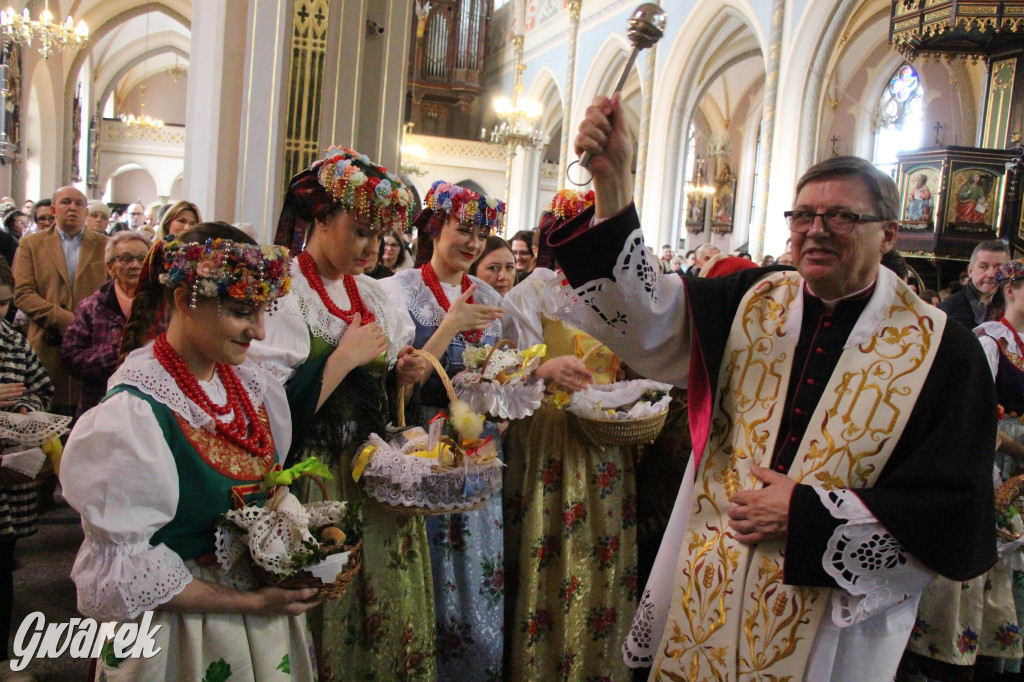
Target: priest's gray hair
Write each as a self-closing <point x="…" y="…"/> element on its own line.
<point x="884" y="194"/>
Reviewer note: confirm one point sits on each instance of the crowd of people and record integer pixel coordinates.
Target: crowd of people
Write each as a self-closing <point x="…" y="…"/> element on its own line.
<point x="787" y="528"/>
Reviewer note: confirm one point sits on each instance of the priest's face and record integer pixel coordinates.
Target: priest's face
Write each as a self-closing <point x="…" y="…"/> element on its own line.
<point x="837" y="265"/>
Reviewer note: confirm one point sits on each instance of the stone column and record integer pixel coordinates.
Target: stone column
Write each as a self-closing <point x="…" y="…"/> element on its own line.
<point x="365" y="77"/>
<point x="771" y="89"/>
<point x="214" y="106"/>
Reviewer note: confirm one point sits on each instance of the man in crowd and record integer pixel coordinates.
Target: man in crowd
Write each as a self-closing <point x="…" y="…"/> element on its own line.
<point x="136" y="216"/>
<point x="970" y="306"/>
<point x="525" y="253"/>
<point x="666" y="258"/>
<point x="54" y="269"/>
<point x="701" y="256"/>
<point x="826" y="448"/>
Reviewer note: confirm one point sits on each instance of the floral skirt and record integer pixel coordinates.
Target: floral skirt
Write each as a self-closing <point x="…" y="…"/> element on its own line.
<point x="382" y="628"/>
<point x="570" y="538"/>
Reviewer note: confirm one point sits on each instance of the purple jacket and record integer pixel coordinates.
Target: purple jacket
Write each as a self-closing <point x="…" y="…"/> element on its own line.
<point x="92" y="344"/>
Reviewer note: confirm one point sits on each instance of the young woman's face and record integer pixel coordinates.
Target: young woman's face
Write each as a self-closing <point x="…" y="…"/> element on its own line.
<point x="459" y="244"/>
<point x="223" y="333"/>
<point x="344" y="245"/>
<point x="392" y="250"/>
<point x="183" y="221"/>
<point x="498" y="268"/>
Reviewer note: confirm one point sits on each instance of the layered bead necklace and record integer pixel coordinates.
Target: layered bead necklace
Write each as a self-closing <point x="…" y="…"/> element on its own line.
<point x="434" y="284"/>
<point x="308" y="267"/>
<point x="260" y="442"/>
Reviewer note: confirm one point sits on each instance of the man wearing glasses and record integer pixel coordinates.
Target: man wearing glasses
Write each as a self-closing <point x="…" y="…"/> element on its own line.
<point x="827" y="451"/>
<point x="54" y="270"/>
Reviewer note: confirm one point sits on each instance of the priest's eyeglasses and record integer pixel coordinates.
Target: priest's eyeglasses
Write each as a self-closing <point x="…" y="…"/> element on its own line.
<point x="836" y="222"/>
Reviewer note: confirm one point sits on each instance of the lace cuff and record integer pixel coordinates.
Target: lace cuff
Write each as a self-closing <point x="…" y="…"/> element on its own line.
<point x="120" y="581"/>
<point x="873" y="571"/>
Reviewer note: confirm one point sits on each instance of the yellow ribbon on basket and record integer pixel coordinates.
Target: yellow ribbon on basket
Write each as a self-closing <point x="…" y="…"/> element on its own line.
<point x="272" y="479"/>
<point x="362" y="460"/>
<point x="54" y="450"/>
<point x="534" y="352"/>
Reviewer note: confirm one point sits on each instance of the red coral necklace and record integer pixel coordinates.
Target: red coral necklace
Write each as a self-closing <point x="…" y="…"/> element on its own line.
<point x="434" y="284"/>
<point x="308" y="267"/>
<point x="260" y="442"/>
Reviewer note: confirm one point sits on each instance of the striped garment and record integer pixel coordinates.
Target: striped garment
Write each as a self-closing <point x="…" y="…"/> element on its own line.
<point x="19" y="506"/>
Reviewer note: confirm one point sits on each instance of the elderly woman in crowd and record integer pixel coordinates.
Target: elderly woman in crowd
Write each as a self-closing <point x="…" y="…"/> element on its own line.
<point x="92" y="342"/>
<point x="99" y="216"/>
<point x="181" y="216"/>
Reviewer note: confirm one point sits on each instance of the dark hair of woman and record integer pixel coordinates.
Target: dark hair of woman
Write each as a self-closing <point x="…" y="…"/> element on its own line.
<point x="152" y="297"/>
<point x="6" y="276"/>
<point x="493" y="243"/>
<point x="9" y="220"/>
<point x="404" y="258"/>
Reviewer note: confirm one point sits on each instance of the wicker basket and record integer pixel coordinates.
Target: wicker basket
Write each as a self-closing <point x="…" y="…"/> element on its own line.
<point x="420" y="510"/>
<point x="304" y="579"/>
<point x="603" y="432"/>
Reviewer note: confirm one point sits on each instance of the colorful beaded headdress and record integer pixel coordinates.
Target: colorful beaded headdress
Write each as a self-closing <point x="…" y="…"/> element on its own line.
<point x="465" y="205"/>
<point x="569" y="203"/>
<point x="345" y="179"/>
<point x="566" y="205"/>
<point x="1010" y="272"/>
<point x="221" y="268"/>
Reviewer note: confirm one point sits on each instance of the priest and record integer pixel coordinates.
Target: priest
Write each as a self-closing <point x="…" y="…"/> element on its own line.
<point x="843" y="431"/>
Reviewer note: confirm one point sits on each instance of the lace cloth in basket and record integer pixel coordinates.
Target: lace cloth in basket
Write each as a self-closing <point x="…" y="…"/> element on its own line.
<point x="32" y="428"/>
<point x="594" y="401"/>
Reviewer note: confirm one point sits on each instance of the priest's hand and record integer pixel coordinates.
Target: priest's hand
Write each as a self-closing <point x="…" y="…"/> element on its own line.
<point x="605" y="134"/>
<point x="762" y="514"/>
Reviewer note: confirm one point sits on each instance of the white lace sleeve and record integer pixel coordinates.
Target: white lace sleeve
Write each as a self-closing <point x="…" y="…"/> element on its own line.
<point x="872" y="569"/>
<point x="640" y="315"/>
<point x="286" y="344"/>
<point x="523" y="314"/>
<point x="119" y="474"/>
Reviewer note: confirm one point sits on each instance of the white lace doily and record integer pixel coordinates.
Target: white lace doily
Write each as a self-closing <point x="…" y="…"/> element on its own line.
<point x="27" y="462"/>
<point x="142" y="370"/>
<point x="32" y="428"/>
<point x="396" y="478"/>
<point x="869" y="565"/>
<point x="594" y="401"/>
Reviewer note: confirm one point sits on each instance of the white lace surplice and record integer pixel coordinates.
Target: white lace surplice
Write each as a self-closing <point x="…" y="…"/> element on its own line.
<point x="119" y="474"/>
<point x="302" y="313"/>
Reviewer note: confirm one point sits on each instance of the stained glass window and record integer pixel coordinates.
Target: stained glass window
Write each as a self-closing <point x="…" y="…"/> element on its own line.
<point x="898" y="122"/>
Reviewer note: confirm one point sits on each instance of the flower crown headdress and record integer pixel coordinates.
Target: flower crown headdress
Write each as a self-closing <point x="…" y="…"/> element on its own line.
<point x="221" y="268"/>
<point x="466" y="205"/>
<point x="569" y="203"/>
<point x="383" y="201"/>
<point x="1010" y="272"/>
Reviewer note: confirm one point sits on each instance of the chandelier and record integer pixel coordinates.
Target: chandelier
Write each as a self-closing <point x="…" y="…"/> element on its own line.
<point x="699" y="184"/>
<point x="412" y="154"/>
<point x="177" y="72"/>
<point x="142" y="124"/>
<point x="51" y="35"/>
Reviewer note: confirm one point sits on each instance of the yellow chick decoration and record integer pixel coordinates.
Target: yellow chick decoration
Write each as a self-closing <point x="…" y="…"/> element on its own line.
<point x="54" y="450"/>
<point x="467" y="423"/>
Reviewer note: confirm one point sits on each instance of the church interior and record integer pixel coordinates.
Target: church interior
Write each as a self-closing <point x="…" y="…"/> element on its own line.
<point x="728" y="108"/>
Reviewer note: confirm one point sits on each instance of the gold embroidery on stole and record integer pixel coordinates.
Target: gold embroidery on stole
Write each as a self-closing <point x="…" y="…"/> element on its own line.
<point x="733" y="618"/>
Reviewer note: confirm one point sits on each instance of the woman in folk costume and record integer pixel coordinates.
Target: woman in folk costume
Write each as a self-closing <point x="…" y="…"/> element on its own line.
<point x="188" y="425"/>
<point x="342" y="348"/>
<point x="570" y="503"/>
<point x="450" y="310"/>
<point x="975" y="624"/>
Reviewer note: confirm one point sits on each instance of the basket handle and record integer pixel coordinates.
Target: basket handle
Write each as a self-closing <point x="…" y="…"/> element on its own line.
<point x="593" y="349"/>
<point x="436" y="364"/>
<point x="275" y="498"/>
<point x="499" y="344"/>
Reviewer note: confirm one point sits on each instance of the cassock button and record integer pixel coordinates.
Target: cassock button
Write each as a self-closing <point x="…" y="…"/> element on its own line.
<point x="792" y="439"/>
<point x="781" y="469"/>
<point x="810" y="382"/>
<point x="827" y="325"/>
<point x="799" y="412"/>
<point x="819" y="351"/>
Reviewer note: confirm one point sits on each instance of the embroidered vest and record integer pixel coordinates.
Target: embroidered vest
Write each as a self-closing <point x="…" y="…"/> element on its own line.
<point x="210" y="470"/>
<point x="732" y="617"/>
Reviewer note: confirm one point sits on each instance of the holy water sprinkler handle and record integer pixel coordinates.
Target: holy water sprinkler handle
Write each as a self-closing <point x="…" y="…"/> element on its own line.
<point x="646" y="27"/>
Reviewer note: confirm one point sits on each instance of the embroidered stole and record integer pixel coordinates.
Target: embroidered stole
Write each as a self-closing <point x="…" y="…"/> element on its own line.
<point x="731" y="616"/>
